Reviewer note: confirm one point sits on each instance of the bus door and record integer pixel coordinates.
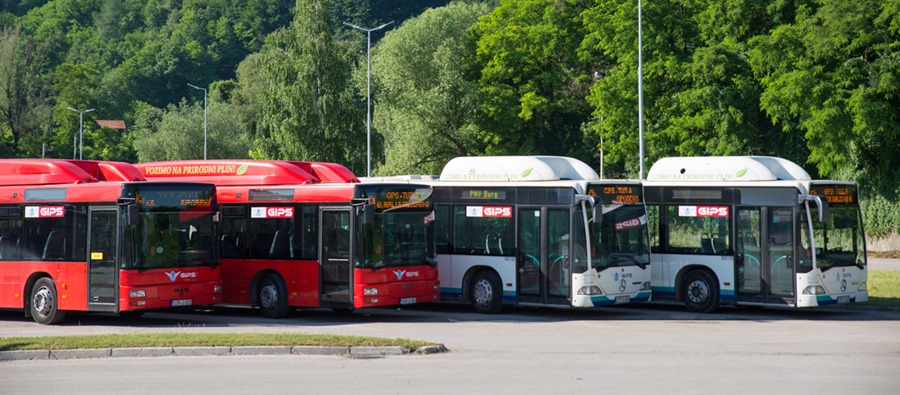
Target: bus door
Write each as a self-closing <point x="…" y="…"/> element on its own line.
<point x="335" y="257"/>
<point x="543" y="255"/>
<point x="765" y="263"/>
<point x="102" y="268"/>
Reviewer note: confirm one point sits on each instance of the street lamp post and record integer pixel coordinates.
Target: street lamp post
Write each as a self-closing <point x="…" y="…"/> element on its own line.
<point x="204" y="117"/>
<point x="80" y="133"/>
<point x="640" y="96"/>
<point x="368" y="91"/>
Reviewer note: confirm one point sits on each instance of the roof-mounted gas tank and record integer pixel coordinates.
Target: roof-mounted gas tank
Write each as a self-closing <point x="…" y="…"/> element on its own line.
<point x="725" y="168"/>
<point x="516" y="168"/>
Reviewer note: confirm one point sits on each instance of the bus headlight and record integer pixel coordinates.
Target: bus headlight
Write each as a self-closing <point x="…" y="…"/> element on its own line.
<point x="814" y="290"/>
<point x="137" y="293"/>
<point x="645" y="286"/>
<point x="370" y="291"/>
<point x="590" y="290"/>
<point x="862" y="286"/>
<point x="217" y="289"/>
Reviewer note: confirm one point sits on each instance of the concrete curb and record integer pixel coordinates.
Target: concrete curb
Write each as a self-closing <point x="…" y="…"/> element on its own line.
<point x="353" y="352"/>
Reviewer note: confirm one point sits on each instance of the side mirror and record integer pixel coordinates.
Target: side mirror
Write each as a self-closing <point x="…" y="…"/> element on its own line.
<point x="596" y="210"/>
<point x="133" y="215"/>
<point x="368" y="213"/>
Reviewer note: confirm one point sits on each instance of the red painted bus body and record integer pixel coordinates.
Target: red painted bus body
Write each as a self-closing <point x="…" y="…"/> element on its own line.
<point x="75" y="236"/>
<point x="308" y="234"/>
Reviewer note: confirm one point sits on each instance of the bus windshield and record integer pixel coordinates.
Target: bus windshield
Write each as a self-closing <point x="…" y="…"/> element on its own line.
<point x="621" y="238"/>
<point x="175" y="227"/>
<point x="838" y="241"/>
<point x="399" y="238"/>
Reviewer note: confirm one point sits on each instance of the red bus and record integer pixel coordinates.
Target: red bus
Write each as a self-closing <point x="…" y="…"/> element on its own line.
<point x="308" y="234"/>
<point x="95" y="236"/>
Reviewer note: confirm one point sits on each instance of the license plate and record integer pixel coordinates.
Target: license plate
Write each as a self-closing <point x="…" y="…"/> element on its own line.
<point x="622" y="299"/>
<point x="181" y="302"/>
<point x="843" y="299"/>
<point x="407" y="300"/>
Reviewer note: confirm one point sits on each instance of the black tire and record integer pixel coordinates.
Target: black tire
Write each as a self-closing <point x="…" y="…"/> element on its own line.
<point x="486" y="293"/>
<point x="272" y="297"/>
<point x="700" y="292"/>
<point x="44" y="303"/>
<point x="132" y="314"/>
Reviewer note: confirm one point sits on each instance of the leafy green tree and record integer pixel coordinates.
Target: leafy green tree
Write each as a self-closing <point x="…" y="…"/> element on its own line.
<point x="177" y="132"/>
<point x="531" y="79"/>
<point x="426" y="96"/>
<point x="309" y="108"/>
<point x="833" y="75"/>
<point x="24" y="106"/>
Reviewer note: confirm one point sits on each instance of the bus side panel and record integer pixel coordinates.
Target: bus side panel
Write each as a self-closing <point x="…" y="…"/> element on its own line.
<point x="12" y="283"/>
<point x="71" y="284"/>
<point x="69" y="277"/>
<point x="666" y="267"/>
<point x="395" y="285"/>
<point x="301" y="277"/>
<point x="163" y="286"/>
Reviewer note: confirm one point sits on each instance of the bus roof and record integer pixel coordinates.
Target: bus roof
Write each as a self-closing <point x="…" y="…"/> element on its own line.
<point x="726" y="168"/>
<point x="249" y="172"/>
<point x="516" y="168"/>
<point x="64" y="171"/>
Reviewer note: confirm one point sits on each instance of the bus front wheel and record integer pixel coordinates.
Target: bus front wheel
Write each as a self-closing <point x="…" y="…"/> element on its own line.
<point x="700" y="293"/>
<point x="486" y="292"/>
<point x="272" y="297"/>
<point x="44" y="304"/>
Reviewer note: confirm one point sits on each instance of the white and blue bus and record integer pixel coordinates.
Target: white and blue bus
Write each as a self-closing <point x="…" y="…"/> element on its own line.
<point x="538" y="231"/>
<point x="753" y="231"/>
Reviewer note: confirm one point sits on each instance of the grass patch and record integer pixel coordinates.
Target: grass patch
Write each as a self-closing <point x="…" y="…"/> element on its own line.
<point x="198" y="339"/>
<point x="884" y="288"/>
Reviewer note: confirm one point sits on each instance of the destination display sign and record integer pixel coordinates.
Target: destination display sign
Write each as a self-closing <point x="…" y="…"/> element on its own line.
<point x="617" y="194"/>
<point x="845" y="194"/>
<point x="386" y="198"/>
<point x="173" y="197"/>
<point x="483" y="193"/>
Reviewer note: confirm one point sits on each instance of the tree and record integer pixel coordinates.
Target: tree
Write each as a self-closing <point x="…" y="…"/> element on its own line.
<point x="833" y="75"/>
<point x="531" y="79"/>
<point x="24" y="107"/>
<point x="177" y="132"/>
<point x="309" y="109"/>
<point x="426" y="96"/>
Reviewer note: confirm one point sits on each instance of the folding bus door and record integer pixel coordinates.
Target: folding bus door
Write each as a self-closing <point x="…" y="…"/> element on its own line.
<point x="336" y="270"/>
<point x="765" y="263"/>
<point x="102" y="268"/>
<point x="543" y="255"/>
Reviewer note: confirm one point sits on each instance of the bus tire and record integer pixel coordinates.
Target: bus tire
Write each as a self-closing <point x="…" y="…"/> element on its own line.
<point x="44" y="303"/>
<point x="272" y="296"/>
<point x="486" y="292"/>
<point x="700" y="292"/>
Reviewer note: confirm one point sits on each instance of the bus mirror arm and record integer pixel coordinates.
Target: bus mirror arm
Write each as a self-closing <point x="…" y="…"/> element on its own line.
<point x="596" y="215"/>
<point x="821" y="205"/>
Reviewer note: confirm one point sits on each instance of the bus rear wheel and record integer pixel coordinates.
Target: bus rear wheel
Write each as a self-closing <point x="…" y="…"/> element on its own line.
<point x="485" y="292"/>
<point x="44" y="303"/>
<point x="700" y="292"/>
<point x="272" y="297"/>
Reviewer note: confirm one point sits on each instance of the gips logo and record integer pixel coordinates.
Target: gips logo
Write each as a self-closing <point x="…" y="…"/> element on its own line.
<point x="45" y="211"/>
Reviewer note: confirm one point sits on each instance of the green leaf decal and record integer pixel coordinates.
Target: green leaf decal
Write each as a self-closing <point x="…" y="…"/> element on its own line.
<point x="527" y="172"/>
<point x="241" y="170"/>
<point x="741" y="173"/>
